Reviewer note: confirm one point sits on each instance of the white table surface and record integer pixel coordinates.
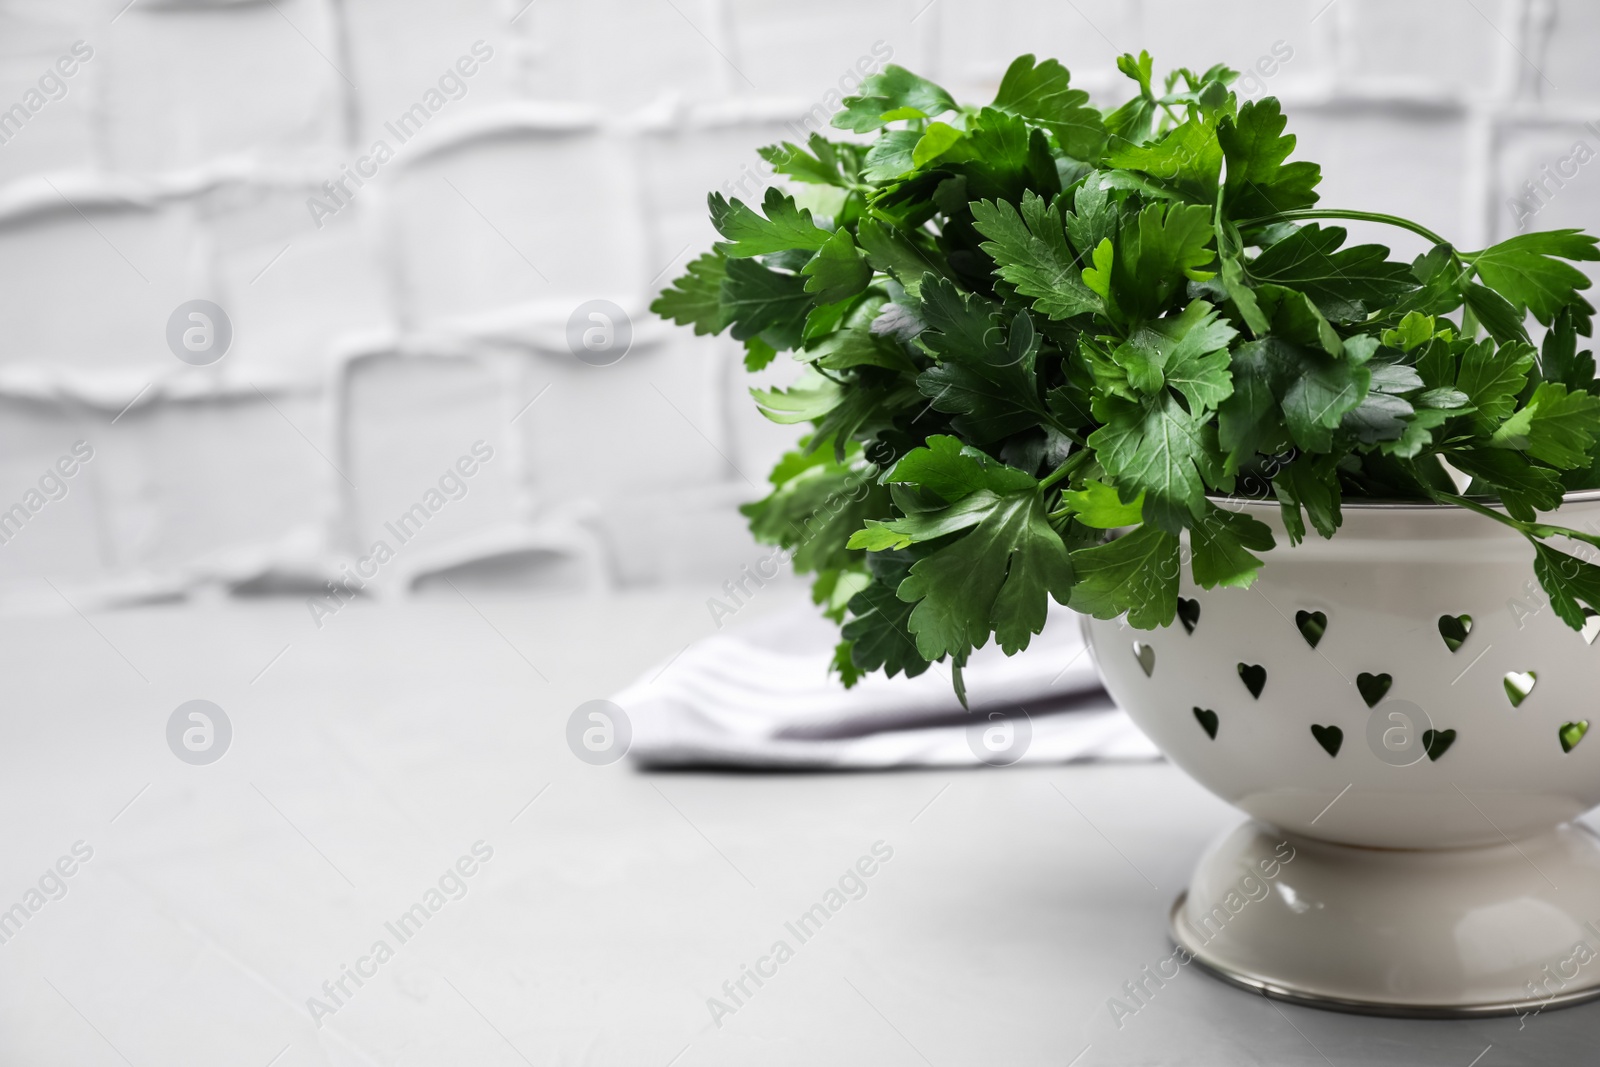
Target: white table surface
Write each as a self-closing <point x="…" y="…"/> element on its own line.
<point x="370" y="755"/>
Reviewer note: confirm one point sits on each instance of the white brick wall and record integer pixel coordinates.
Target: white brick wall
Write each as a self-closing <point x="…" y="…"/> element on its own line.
<point x="373" y="346"/>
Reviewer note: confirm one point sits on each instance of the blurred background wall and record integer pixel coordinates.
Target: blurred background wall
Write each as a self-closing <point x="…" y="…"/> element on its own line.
<point x="392" y="310"/>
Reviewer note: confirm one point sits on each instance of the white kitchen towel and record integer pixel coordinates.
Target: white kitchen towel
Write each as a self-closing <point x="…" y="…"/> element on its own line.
<point x="761" y="696"/>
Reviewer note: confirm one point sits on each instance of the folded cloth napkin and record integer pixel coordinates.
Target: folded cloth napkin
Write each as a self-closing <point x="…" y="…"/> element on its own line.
<point x="762" y="696"/>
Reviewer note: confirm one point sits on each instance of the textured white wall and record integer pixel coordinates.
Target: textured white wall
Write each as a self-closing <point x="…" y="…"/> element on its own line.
<point x="375" y="344"/>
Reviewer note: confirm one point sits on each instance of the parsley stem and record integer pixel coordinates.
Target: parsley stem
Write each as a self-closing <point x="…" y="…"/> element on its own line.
<point x="1472" y="505"/>
<point x="1055" y="476"/>
<point x="1065" y="431"/>
<point x="1533" y="531"/>
<point x="1066" y="470"/>
<point x="1459" y="501"/>
<point x="1305" y="214"/>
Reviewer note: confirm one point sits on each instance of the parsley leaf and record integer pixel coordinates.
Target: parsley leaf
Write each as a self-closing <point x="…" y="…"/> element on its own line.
<point x="785" y="226"/>
<point x="895" y="93"/>
<point x="1155" y="252"/>
<point x="1499" y="316"/>
<point x="766" y="302"/>
<point x="1132" y="122"/>
<point x="1186" y="163"/>
<point x="695" y="299"/>
<point x="1345" y="284"/>
<point x="1235" y="279"/>
<point x="1492" y="378"/>
<point x="1295" y="318"/>
<point x="1001" y="158"/>
<point x="1159" y="449"/>
<point x="838" y="271"/>
<point x="758" y="354"/>
<point x="1031" y="252"/>
<point x="1136" y="574"/>
<point x="985" y="375"/>
<point x="1223" y="542"/>
<point x="954" y="471"/>
<point x="854" y="344"/>
<point x="1249" y="419"/>
<point x="1383" y="413"/>
<point x="1094" y="217"/>
<point x="815" y="505"/>
<point x="878" y="535"/>
<point x="1043" y="93"/>
<point x="827" y="163"/>
<point x="1572" y="584"/>
<point x="1524" y="488"/>
<point x="1313" y="391"/>
<point x="811" y="398"/>
<point x="1188" y="352"/>
<point x="1560" y="360"/>
<point x="897" y="254"/>
<point x="1259" y="182"/>
<point x="1528" y="270"/>
<point x="994" y="578"/>
<point x="878" y="637"/>
<point x="891" y="156"/>
<point x="1556" y="427"/>
<point x="1100" y="506"/>
<point x="1310" y="483"/>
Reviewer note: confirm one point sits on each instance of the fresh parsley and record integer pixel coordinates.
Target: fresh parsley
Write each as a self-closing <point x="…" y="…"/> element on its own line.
<point x="1045" y="343"/>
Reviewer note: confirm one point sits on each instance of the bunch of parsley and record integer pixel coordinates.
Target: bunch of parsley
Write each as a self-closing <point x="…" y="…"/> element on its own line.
<point x="1029" y="324"/>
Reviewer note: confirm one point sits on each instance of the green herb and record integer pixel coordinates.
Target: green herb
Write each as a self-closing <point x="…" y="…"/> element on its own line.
<point x="1045" y="342"/>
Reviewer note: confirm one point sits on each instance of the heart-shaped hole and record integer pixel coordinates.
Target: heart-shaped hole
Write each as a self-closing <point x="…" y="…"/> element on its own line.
<point x="1519" y="684"/>
<point x="1146" y="657"/>
<point x="1571" y="733"/>
<point x="1254" y="678"/>
<point x="1437" y="742"/>
<point x="1189" y="613"/>
<point x="1373" y="687"/>
<point x="1207" y="720"/>
<point x="1329" y="737"/>
<point x="1454" y="629"/>
<point x="1591" y="625"/>
<point x="1312" y="624"/>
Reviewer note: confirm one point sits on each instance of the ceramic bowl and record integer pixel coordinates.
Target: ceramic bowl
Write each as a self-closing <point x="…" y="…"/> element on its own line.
<point x="1410" y="666"/>
<point x="1404" y="685"/>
